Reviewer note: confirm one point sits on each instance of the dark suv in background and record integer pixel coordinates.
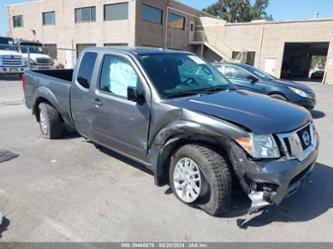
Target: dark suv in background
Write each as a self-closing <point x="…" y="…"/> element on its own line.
<point x="253" y="79"/>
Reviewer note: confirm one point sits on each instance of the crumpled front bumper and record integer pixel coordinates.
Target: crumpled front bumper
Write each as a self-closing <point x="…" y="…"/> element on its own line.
<point x="268" y="182"/>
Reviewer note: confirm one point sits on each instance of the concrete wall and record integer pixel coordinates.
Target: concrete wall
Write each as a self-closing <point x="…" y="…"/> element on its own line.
<point x="155" y="35"/>
<point x="268" y="39"/>
<point x="66" y="33"/>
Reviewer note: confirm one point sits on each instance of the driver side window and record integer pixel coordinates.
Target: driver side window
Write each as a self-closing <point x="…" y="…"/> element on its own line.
<point x="235" y="73"/>
<point x="117" y="75"/>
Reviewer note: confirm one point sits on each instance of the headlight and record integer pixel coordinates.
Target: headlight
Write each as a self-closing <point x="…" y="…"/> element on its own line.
<point x="259" y="146"/>
<point x="300" y="92"/>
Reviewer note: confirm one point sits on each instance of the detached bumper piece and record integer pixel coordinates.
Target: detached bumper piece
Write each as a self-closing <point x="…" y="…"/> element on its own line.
<point x="258" y="201"/>
<point x="271" y="194"/>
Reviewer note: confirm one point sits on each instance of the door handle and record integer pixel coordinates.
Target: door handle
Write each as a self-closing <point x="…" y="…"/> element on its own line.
<point x="98" y="102"/>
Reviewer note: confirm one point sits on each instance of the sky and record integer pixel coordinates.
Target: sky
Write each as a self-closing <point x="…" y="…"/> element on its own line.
<point x="280" y="9"/>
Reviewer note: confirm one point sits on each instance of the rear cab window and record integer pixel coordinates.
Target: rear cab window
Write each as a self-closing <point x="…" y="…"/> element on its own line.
<point x="86" y="69"/>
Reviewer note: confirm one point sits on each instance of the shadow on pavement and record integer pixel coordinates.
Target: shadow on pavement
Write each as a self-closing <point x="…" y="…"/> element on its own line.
<point x="4" y="225"/>
<point x="124" y="159"/>
<point x="317" y="114"/>
<point x="69" y="135"/>
<point x="313" y="199"/>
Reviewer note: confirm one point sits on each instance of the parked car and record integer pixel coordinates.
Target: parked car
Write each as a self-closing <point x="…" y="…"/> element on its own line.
<point x="176" y="114"/>
<point x="11" y="61"/>
<point x="253" y="79"/>
<point x="35" y="55"/>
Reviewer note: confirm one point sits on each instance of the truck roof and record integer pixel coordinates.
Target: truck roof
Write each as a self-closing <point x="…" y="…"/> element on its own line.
<point x="137" y="50"/>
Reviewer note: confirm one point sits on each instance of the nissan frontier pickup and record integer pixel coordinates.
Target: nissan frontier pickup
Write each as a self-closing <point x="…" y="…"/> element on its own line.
<point x="180" y="117"/>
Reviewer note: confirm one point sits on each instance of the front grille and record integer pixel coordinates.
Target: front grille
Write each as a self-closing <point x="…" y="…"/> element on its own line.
<point x="43" y="61"/>
<point x="304" y="136"/>
<point x="300" y="143"/>
<point x="12" y="61"/>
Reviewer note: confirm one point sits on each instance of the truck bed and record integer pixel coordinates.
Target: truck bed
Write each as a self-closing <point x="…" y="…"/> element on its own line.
<point x="64" y="74"/>
<point x="49" y="85"/>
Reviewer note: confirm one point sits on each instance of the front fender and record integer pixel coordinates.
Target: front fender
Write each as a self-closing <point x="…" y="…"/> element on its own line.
<point x="173" y="136"/>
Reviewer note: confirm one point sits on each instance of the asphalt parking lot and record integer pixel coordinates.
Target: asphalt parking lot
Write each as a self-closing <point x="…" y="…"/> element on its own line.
<point x="67" y="190"/>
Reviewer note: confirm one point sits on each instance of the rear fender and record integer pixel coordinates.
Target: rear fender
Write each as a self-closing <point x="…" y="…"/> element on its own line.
<point x="43" y="94"/>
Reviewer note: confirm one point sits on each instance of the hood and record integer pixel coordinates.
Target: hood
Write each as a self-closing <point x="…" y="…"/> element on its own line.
<point x="292" y="84"/>
<point x="9" y="53"/>
<point x="259" y="113"/>
<point x="34" y="56"/>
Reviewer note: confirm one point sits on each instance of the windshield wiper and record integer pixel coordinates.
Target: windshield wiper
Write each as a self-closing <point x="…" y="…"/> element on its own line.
<point x="216" y="89"/>
<point x="182" y="94"/>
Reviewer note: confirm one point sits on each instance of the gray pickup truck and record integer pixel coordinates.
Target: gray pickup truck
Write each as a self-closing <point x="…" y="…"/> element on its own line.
<point x="180" y="117"/>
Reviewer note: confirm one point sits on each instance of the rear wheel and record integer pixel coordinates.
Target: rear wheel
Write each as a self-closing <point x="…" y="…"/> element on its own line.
<point x="200" y="177"/>
<point x="279" y="96"/>
<point x="50" y="122"/>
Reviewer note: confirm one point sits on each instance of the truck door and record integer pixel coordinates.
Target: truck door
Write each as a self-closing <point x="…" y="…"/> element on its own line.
<point x="81" y="96"/>
<point x="120" y="123"/>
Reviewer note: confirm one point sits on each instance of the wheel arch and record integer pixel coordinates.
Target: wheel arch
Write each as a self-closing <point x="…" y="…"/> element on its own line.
<point x="278" y="93"/>
<point x="162" y="151"/>
<point x="40" y="100"/>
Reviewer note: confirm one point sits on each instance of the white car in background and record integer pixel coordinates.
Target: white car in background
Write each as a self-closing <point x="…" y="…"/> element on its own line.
<point x="35" y="55"/>
<point x="11" y="61"/>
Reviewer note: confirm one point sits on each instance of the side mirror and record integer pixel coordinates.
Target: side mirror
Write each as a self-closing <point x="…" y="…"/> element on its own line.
<point x="252" y="79"/>
<point x="133" y="95"/>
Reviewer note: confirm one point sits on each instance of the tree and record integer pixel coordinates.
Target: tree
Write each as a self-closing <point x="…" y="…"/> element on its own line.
<point x="258" y="10"/>
<point x="239" y="10"/>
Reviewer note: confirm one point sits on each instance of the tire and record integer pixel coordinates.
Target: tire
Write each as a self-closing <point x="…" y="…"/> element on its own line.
<point x="279" y="96"/>
<point x="50" y="123"/>
<point x="216" y="181"/>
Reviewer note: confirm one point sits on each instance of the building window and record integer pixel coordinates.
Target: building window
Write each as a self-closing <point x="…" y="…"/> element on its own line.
<point x="176" y="21"/>
<point x="85" y="14"/>
<point x="51" y="50"/>
<point x="118" y="11"/>
<point x="192" y="27"/>
<point x="116" y="44"/>
<point x="18" y="21"/>
<point x="49" y="18"/>
<point x="247" y="57"/>
<point x="151" y="14"/>
<point x="80" y="47"/>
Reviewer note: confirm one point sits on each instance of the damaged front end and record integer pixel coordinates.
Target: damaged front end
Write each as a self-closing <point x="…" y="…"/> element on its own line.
<point x="268" y="182"/>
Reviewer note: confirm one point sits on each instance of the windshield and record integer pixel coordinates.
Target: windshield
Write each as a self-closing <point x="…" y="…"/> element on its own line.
<point x="261" y="74"/>
<point x="34" y="48"/>
<point x="7" y="44"/>
<point x="176" y="75"/>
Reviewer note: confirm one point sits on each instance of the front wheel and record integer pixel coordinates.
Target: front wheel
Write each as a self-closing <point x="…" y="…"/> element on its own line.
<point x="201" y="177"/>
